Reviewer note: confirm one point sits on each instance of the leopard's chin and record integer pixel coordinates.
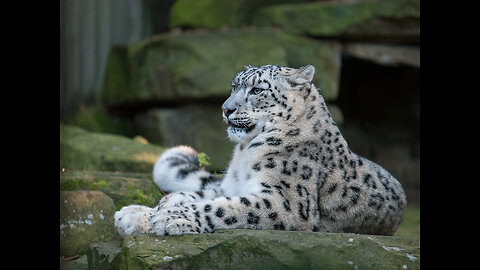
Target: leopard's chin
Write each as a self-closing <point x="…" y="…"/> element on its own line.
<point x="240" y="134"/>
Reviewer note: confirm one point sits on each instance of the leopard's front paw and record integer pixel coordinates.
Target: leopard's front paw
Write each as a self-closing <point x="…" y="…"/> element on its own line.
<point x="133" y="218"/>
<point x="176" y="199"/>
<point x="175" y="221"/>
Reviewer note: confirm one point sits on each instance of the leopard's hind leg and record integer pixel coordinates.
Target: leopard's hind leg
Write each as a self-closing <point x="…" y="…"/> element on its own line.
<point x="178" y="172"/>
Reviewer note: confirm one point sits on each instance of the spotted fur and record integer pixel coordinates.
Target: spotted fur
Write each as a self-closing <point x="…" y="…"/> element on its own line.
<point x="291" y="169"/>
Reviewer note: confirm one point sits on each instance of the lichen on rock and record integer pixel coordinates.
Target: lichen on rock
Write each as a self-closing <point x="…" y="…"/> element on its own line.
<point x="85" y="217"/>
<point x="256" y="249"/>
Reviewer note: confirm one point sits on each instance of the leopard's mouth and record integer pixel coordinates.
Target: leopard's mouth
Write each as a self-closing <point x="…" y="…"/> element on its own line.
<point x="240" y="127"/>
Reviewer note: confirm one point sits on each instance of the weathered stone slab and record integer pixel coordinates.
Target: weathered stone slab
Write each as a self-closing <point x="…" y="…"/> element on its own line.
<point x="397" y="19"/>
<point x="250" y="249"/>
<point x="217" y="13"/>
<point x="83" y="150"/>
<point x="123" y="188"/>
<point x="199" y="65"/>
<point x="390" y="55"/>
<point x="78" y="264"/>
<point x="85" y="217"/>
<point x="101" y="255"/>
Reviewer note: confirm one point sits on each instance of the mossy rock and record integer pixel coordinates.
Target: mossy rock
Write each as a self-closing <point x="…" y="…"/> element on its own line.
<point x="85" y="217"/>
<point x="200" y="65"/>
<point x="410" y="225"/>
<point x="250" y="249"/>
<point x="217" y="13"/>
<point x="101" y="255"/>
<point x="123" y="188"/>
<point x="362" y="19"/>
<point x="78" y="264"/>
<point x="83" y="150"/>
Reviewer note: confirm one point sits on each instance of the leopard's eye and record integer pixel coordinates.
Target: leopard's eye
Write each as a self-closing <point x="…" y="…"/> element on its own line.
<point x="256" y="91"/>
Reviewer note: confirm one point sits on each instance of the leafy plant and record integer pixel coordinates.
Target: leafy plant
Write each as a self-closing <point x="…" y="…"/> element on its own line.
<point x="203" y="160"/>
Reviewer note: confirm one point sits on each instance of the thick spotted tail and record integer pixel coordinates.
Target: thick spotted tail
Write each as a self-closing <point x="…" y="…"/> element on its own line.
<point x="177" y="170"/>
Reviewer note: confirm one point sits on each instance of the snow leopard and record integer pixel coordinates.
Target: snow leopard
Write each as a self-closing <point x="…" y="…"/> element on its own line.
<point x="291" y="169"/>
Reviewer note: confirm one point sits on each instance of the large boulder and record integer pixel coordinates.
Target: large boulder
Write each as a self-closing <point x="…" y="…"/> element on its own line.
<point x="250" y="249"/>
<point x="171" y="68"/>
<point x="85" y="217"/>
<point x="397" y="20"/>
<point x="83" y="150"/>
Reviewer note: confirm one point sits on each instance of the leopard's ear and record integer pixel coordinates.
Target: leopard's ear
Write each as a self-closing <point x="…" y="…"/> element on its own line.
<point x="298" y="78"/>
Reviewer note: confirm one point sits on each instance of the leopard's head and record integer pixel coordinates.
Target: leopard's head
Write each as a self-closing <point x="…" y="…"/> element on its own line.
<point x="261" y="97"/>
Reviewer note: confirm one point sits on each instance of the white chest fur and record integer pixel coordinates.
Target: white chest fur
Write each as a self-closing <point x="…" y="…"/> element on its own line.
<point x="240" y="178"/>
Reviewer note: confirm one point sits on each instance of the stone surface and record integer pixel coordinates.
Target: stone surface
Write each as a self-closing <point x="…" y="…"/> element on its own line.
<point x="199" y="126"/>
<point x="78" y="264"/>
<point x="391" y="55"/>
<point x="123" y="188"/>
<point x="249" y="249"/>
<point x="101" y="255"/>
<point x="199" y="65"/>
<point x="85" y="217"/>
<point x="83" y="150"/>
<point x="410" y="225"/>
<point x="397" y="19"/>
<point x="217" y="13"/>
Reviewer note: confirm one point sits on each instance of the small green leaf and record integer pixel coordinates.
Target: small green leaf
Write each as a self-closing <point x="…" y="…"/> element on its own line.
<point x="204" y="160"/>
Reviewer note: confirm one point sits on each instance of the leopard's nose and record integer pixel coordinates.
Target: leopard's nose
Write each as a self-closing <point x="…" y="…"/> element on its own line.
<point x="227" y="112"/>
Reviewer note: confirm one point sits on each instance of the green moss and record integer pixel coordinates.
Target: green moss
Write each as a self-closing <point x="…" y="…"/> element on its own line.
<point x="217" y="13"/>
<point x="98" y="184"/>
<point x="205" y="13"/>
<point x="199" y="65"/>
<point x="410" y="225"/>
<point x="123" y="188"/>
<point x="72" y="184"/>
<point x="333" y="18"/>
<point x="257" y="249"/>
<point x="85" y="217"/>
<point x="82" y="150"/>
<point x="136" y="196"/>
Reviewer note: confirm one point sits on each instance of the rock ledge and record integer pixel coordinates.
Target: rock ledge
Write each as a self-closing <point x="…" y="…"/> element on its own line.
<point x="240" y="249"/>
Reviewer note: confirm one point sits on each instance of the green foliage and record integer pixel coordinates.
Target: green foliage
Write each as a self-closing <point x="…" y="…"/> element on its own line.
<point x="80" y="184"/>
<point x="204" y="160"/>
<point x="136" y="196"/>
<point x="124" y="188"/>
<point x="72" y="184"/>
